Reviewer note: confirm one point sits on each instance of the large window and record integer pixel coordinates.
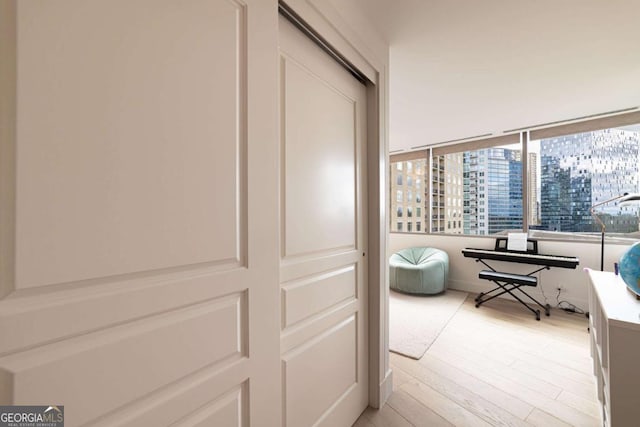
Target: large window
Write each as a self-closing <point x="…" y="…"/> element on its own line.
<point x="570" y="173"/>
<point x="543" y="180"/>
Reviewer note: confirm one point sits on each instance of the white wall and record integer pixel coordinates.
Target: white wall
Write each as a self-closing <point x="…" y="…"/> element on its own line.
<point x="465" y="68"/>
<point x="463" y="272"/>
<point x="358" y="29"/>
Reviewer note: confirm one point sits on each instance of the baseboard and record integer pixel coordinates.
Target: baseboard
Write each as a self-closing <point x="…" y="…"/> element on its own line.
<point x="477" y="287"/>
<point x="386" y="388"/>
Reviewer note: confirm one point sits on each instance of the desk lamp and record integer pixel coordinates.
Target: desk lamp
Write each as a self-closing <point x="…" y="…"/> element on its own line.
<point x="626" y="197"/>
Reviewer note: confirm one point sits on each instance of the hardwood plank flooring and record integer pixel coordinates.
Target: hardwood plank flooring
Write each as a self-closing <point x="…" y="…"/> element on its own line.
<point x="496" y="366"/>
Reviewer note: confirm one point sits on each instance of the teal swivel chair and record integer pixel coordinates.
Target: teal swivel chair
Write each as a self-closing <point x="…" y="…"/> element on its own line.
<point x="419" y="271"/>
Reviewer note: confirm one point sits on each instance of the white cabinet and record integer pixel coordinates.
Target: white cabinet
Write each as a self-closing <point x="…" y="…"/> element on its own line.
<point x="614" y="323"/>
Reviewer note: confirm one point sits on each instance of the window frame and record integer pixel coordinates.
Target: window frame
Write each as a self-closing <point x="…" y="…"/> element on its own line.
<point x="521" y="136"/>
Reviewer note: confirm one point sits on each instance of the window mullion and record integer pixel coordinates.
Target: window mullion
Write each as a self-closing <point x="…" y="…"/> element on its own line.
<point x="524" y="139"/>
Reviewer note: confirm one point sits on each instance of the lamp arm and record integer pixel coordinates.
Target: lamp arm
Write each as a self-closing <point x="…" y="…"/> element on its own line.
<point x="626" y="197"/>
<point x="596" y="217"/>
<point x="598" y="220"/>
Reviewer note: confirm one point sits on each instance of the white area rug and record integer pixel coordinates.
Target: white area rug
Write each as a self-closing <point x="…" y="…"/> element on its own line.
<point x="415" y="321"/>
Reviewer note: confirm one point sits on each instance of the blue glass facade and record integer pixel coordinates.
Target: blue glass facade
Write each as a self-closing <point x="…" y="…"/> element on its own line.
<point x="578" y="171"/>
<point x="492" y="191"/>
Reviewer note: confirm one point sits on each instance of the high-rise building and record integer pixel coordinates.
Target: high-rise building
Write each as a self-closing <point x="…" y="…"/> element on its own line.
<point x="578" y="171"/>
<point x="412" y="187"/>
<point x="438" y="196"/>
<point x="453" y="170"/>
<point x="492" y="191"/>
<point x="446" y="196"/>
<point x="408" y="188"/>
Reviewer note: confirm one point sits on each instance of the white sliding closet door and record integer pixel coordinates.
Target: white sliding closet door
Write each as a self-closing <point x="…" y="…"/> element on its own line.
<point x="139" y="231"/>
<point x="323" y="242"/>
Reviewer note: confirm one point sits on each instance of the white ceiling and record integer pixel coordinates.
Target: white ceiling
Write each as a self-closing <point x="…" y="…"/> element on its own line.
<point x="464" y="68"/>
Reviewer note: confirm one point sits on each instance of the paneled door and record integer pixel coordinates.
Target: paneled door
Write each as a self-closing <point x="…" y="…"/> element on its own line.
<point x="322" y="243"/>
<point x="139" y="215"/>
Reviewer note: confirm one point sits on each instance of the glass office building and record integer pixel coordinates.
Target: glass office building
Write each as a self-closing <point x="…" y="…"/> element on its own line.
<point x="580" y="170"/>
<point x="492" y="191"/>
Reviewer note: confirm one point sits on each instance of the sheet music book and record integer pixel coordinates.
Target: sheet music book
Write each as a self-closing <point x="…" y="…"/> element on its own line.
<point x="517" y="242"/>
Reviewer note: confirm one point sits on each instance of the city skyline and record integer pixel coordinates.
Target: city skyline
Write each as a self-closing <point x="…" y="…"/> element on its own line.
<point x="583" y="169"/>
<point x="480" y="192"/>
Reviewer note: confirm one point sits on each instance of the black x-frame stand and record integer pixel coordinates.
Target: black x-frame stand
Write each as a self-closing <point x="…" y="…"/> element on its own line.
<point x="508" y="283"/>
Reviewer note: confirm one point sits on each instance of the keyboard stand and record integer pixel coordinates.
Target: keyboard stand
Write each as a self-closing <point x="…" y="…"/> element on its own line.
<point x="509" y="283"/>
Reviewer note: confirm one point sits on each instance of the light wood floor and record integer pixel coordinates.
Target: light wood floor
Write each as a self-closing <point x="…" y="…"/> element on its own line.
<point x="496" y="366"/>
